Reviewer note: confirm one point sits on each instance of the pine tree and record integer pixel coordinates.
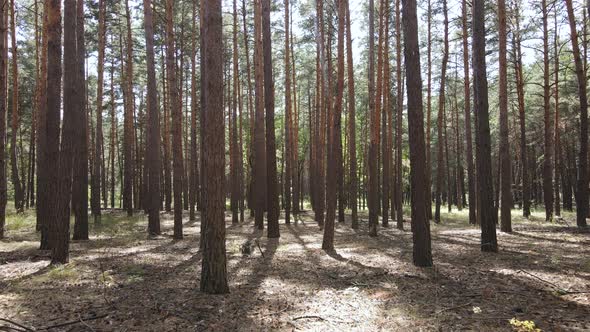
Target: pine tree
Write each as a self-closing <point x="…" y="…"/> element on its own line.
<point x="582" y="185"/>
<point x="174" y="100"/>
<point x="483" y="148"/>
<point x="505" y="171"/>
<point x="422" y="251"/>
<point x="214" y="266"/>
<point x="153" y="131"/>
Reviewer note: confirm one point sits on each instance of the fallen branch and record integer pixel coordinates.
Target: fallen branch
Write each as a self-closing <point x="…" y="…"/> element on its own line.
<point x="309" y="317"/>
<point x="78" y="321"/>
<point x="10" y="328"/>
<point x="24" y="328"/>
<point x="545" y="281"/>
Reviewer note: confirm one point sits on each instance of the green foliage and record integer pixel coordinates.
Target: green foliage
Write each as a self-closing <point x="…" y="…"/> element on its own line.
<point x="19" y="221"/>
<point x="63" y="273"/>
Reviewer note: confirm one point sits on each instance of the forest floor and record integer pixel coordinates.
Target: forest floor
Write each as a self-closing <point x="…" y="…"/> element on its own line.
<point x="122" y="281"/>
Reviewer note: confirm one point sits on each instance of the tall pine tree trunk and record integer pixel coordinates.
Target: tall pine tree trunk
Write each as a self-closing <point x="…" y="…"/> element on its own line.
<point x="153" y="134"/>
<point x="440" y="169"/>
<point x="214" y="266"/>
<point x="259" y="154"/>
<point x="174" y="100"/>
<point x="3" y="98"/>
<point x="288" y="121"/>
<point x="483" y="145"/>
<point x="80" y="180"/>
<point x="547" y="118"/>
<point x="234" y="157"/>
<point x="582" y="185"/>
<point x="467" y="92"/>
<point x="422" y="253"/>
<point x="519" y="83"/>
<point x="16" y="181"/>
<point x="505" y="171"/>
<point x="352" y="155"/>
<point x="98" y="151"/>
<point x="128" y="121"/>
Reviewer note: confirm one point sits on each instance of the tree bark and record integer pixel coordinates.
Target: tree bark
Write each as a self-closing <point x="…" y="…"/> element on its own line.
<point x="153" y="154"/>
<point x="557" y="142"/>
<point x="128" y="120"/>
<point x="98" y="151"/>
<point x="386" y="120"/>
<point x="177" y="158"/>
<point x="335" y="131"/>
<point x="469" y="145"/>
<point x="505" y="171"/>
<point x="214" y="269"/>
<point x="234" y="157"/>
<point x="422" y="252"/>
<point x="547" y="118"/>
<point x="60" y="157"/>
<point x="582" y="185"/>
<point x="352" y="155"/>
<point x="14" y="167"/>
<point x="3" y="99"/>
<point x="519" y="82"/>
<point x="288" y="121"/>
<point x="259" y="161"/>
<point x="440" y="168"/>
<point x="80" y="180"/>
<point x="194" y="157"/>
<point x="374" y="111"/>
<point x="483" y="147"/>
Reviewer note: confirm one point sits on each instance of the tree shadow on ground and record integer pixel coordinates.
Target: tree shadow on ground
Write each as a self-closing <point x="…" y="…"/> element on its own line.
<point x="367" y="284"/>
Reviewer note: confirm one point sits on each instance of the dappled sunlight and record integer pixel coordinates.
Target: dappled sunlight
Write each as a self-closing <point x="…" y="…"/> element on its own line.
<point x="291" y="283"/>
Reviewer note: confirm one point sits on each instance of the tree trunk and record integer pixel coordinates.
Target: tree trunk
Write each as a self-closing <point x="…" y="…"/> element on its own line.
<point x="519" y="82"/>
<point x="16" y="181"/>
<point x="505" y="171"/>
<point x="335" y="132"/>
<point x="547" y="118"/>
<point x="374" y="111"/>
<point x="422" y="252"/>
<point x="440" y="169"/>
<point x="469" y="152"/>
<point x="557" y="145"/>
<point x="153" y="134"/>
<point x="259" y="161"/>
<point x="483" y="147"/>
<point x="173" y="98"/>
<point x="113" y="138"/>
<point x="97" y="158"/>
<point x="214" y="269"/>
<point x="269" y="104"/>
<point x="3" y="99"/>
<point x="288" y="121"/>
<point x="399" y="128"/>
<point x="80" y="180"/>
<point x="352" y="155"/>
<point x="194" y="159"/>
<point x="234" y="157"/>
<point x="129" y="167"/>
<point x="582" y="185"/>
<point x="386" y="120"/>
<point x="323" y="108"/>
<point x="428" y="115"/>
<point x="295" y="177"/>
<point x="60" y="164"/>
